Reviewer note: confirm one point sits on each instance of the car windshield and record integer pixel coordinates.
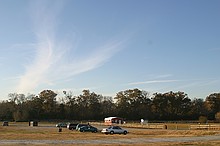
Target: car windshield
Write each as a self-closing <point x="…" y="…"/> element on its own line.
<point x="116" y="128"/>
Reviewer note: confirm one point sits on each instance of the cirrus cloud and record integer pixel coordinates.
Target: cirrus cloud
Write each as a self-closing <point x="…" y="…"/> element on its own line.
<point x="54" y="59"/>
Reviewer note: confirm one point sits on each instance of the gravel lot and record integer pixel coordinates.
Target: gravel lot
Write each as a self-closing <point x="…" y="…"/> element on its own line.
<point x="135" y="137"/>
<point x="112" y="141"/>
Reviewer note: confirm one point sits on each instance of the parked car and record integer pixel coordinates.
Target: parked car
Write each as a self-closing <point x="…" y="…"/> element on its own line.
<point x="114" y="130"/>
<point x="63" y="125"/>
<point x="5" y="123"/>
<point x="72" y="126"/>
<point x="88" y="128"/>
<point x="80" y="125"/>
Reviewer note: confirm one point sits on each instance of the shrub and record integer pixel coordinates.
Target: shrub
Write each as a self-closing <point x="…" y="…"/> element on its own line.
<point x="217" y="116"/>
<point x="203" y="119"/>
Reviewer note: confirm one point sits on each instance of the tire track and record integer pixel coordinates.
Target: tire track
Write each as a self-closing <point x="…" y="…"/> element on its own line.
<point x="112" y="141"/>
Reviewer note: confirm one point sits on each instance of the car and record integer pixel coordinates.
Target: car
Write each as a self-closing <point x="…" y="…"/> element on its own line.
<point x="72" y="126"/>
<point x="62" y="125"/>
<point x="88" y="128"/>
<point x="80" y="125"/>
<point x="114" y="130"/>
<point x="5" y="123"/>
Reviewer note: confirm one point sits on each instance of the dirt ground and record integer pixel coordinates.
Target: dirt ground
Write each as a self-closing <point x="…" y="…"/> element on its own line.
<point x="48" y="134"/>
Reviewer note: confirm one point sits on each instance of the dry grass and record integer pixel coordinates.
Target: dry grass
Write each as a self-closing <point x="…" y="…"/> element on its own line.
<point x="48" y="132"/>
<point x="34" y="133"/>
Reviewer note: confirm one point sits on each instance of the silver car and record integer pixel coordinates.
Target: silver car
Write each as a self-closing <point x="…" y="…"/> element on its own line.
<point x="114" y="130"/>
<point x="62" y="125"/>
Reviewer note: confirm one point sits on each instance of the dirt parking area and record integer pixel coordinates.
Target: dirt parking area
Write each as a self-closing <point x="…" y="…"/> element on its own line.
<point x="120" y="141"/>
<point x="47" y="135"/>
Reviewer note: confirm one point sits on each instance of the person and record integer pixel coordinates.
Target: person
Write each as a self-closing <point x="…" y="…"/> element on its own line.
<point x="142" y="121"/>
<point x="60" y="129"/>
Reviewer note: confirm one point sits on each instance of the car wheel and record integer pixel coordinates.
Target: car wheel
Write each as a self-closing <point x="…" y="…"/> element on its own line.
<point x="111" y="132"/>
<point x="125" y="132"/>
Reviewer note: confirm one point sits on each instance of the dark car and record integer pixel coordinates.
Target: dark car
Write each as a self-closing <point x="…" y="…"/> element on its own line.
<point x="5" y="123"/>
<point x="72" y="126"/>
<point x="80" y="125"/>
<point x="88" y="128"/>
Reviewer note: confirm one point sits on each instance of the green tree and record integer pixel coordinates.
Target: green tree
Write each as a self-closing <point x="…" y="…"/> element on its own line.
<point x="133" y="104"/>
<point x="94" y="106"/>
<point x="49" y="104"/>
<point x="217" y="116"/>
<point x="88" y="105"/>
<point x="70" y="107"/>
<point x="108" y="108"/>
<point x="35" y="106"/>
<point x="123" y="105"/>
<point x="16" y="98"/>
<point x="20" y="113"/>
<point x="171" y="106"/>
<point x="197" y="109"/>
<point x="7" y="109"/>
<point x="212" y="104"/>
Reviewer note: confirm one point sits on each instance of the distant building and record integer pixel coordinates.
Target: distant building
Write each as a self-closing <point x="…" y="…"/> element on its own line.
<point x="113" y="120"/>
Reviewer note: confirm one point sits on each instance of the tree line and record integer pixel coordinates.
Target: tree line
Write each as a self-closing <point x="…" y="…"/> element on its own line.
<point x="132" y="104"/>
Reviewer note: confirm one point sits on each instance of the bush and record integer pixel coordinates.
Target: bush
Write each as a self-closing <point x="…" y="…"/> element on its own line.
<point x="203" y="119"/>
<point x="217" y="116"/>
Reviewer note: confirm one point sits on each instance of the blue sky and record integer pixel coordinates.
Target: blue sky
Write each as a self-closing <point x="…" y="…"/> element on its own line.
<point x="108" y="46"/>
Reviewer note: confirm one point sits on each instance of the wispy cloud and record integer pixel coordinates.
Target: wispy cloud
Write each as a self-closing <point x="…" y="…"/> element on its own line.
<point x="215" y="49"/>
<point x="195" y="83"/>
<point x="163" y="78"/>
<point x="52" y="60"/>
<point x="11" y="78"/>
<point x="152" y="82"/>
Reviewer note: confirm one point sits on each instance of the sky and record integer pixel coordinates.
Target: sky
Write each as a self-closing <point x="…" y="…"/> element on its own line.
<point x="108" y="46"/>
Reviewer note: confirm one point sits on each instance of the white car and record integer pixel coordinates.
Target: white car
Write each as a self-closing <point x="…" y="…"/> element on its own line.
<point x="114" y="130"/>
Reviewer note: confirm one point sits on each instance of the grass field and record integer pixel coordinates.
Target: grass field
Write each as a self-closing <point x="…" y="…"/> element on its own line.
<point x="47" y="134"/>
